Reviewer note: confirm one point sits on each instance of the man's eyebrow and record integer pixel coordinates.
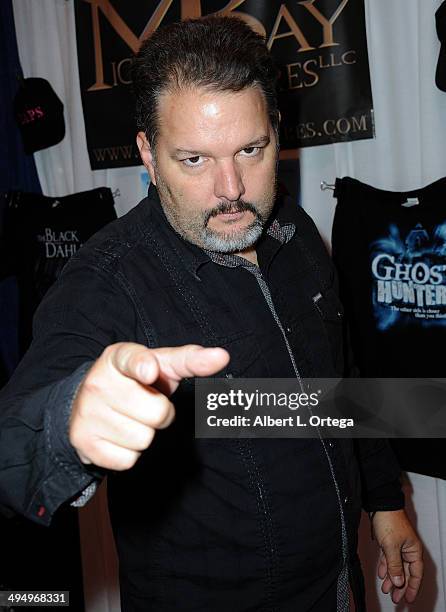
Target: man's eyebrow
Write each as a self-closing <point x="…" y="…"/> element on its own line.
<point x="258" y="142"/>
<point x="188" y="152"/>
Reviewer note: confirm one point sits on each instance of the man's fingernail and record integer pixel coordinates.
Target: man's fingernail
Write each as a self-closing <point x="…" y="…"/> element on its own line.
<point x="398" y="581"/>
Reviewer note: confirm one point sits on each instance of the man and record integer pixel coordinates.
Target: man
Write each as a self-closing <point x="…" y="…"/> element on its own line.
<point x="211" y="266"/>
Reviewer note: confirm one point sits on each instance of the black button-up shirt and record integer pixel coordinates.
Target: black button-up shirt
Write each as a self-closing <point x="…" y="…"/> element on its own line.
<point x="199" y="524"/>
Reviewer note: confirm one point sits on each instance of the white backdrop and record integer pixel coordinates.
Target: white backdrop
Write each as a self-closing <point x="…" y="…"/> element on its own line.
<point x="409" y="151"/>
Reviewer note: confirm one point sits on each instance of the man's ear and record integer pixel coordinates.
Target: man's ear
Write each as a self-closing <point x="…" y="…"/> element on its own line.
<point x="146" y="154"/>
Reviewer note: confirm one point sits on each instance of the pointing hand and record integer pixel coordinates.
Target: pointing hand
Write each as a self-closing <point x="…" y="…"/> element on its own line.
<point x="124" y="399"/>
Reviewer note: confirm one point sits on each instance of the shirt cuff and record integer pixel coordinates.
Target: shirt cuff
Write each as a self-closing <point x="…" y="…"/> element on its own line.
<point x="68" y="479"/>
<point x="57" y="417"/>
<point x="388" y="496"/>
<point x="85" y="496"/>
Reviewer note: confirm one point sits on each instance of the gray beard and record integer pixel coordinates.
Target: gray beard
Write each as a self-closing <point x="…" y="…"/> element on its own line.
<point x="199" y="234"/>
<point x="226" y="243"/>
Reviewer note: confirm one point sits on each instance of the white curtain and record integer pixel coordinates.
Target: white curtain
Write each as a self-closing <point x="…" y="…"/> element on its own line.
<point x="47" y="47"/>
<point x="409" y="151"/>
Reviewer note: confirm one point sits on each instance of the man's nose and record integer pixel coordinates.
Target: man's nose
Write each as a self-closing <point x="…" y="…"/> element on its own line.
<point x="228" y="181"/>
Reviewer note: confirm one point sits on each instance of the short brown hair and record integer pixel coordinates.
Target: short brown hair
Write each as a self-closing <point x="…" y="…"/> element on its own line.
<point x="218" y="53"/>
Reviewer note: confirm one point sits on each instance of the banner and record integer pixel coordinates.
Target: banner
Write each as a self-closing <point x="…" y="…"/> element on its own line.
<point x="320" y="45"/>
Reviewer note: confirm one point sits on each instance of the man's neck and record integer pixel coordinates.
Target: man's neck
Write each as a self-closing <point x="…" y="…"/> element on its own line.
<point x="249" y="254"/>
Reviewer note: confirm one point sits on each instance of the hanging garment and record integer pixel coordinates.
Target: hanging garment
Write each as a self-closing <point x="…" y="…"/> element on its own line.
<point x="37" y="237"/>
<point x="390" y="252"/>
<point x="9" y="349"/>
<point x="42" y="233"/>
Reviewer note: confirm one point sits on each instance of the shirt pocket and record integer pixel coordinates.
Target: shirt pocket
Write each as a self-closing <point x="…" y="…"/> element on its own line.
<point x="331" y="313"/>
<point x="328" y="305"/>
<point x="246" y="359"/>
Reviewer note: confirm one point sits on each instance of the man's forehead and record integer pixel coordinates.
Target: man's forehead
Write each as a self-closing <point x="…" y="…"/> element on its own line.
<point x="196" y="115"/>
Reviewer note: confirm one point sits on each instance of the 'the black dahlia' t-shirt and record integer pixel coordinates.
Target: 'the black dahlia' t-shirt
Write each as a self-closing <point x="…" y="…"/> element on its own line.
<point x="42" y="233"/>
<point x="390" y="252"/>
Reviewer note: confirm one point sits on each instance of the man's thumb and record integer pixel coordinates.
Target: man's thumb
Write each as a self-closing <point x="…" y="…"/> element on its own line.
<point x="394" y="565"/>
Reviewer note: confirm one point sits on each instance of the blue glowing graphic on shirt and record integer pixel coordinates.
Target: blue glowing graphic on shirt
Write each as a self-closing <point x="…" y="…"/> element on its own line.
<point x="409" y="277"/>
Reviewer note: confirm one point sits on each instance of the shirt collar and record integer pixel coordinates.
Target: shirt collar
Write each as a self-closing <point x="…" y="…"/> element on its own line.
<point x="281" y="233"/>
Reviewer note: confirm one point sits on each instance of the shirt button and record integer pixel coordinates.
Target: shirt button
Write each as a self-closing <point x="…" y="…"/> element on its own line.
<point x="288" y="330"/>
<point x="346" y="500"/>
<point x="330" y="444"/>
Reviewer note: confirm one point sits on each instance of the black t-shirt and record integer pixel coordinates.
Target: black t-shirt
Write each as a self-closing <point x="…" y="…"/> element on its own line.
<point x="42" y="233"/>
<point x="390" y="252"/>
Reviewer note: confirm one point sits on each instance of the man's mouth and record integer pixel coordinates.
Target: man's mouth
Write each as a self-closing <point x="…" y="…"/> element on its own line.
<point x="233" y="216"/>
<point x="231" y="213"/>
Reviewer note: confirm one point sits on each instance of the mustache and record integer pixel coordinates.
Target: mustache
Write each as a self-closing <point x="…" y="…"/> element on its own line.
<point x="231" y="207"/>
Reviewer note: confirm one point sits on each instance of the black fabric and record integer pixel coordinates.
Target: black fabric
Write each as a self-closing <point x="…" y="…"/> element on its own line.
<point x="440" y="73"/>
<point x="9" y="344"/>
<point x="199" y="524"/>
<point x="391" y="261"/>
<point x="17" y="170"/>
<point x="39" y="115"/>
<point x="40" y="234"/>
<point x="43" y="559"/>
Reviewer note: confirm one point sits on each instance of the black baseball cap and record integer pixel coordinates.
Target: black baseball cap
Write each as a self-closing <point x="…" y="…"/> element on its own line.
<point x="39" y="115"/>
<point x="440" y="75"/>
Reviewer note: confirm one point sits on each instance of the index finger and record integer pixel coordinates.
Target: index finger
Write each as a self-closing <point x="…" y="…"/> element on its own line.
<point x="167" y="365"/>
<point x="190" y="360"/>
<point x="187" y="361"/>
<point x="134" y="361"/>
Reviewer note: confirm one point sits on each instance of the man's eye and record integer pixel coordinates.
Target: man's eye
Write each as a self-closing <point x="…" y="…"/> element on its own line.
<point x="251" y="151"/>
<point x="197" y="160"/>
